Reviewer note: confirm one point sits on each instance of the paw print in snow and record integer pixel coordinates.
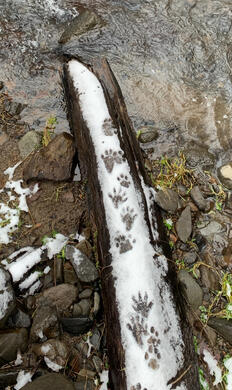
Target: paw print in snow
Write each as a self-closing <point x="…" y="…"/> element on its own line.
<point x="108" y="127"/>
<point x="138" y="328"/>
<point x="123" y="243"/>
<point x="128" y="216"/>
<point x="110" y="158"/>
<point x="138" y="387"/>
<point x="124" y="181"/>
<point x="141" y="305"/>
<point x="153" y="352"/>
<point x="118" y="197"/>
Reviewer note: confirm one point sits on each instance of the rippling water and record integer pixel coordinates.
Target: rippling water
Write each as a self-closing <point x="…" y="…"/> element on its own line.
<point x="172" y="58"/>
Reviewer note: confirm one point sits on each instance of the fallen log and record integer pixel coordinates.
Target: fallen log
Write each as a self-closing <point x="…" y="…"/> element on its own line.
<point x="150" y="345"/>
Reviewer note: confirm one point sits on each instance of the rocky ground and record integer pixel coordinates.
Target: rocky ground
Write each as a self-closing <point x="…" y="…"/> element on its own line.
<point x="51" y="318"/>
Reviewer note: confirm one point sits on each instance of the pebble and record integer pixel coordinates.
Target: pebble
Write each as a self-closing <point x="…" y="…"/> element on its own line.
<point x="29" y="142"/>
<point x="191" y="289"/>
<point x="168" y="200"/>
<point x="147" y="134"/>
<point x="190" y="258"/>
<point x="184" y="225"/>
<point x="10" y="342"/>
<point x="86" y="293"/>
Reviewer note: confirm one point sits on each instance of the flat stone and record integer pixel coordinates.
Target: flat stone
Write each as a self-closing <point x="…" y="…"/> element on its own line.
<point x="10" y="342"/>
<point x="199" y="199"/>
<point x="84" y="268"/>
<point x="197" y="155"/>
<point x="29" y="142"/>
<point x="191" y="289"/>
<point x="225" y="175"/>
<point x="61" y="296"/>
<point x="184" y="225"/>
<point x="76" y="326"/>
<point x="45" y="323"/>
<point x="53" y="162"/>
<point x="212" y="228"/>
<point x="51" y="382"/>
<point x="19" y="319"/>
<point x="168" y="200"/>
<point x="7" y="297"/>
<point x="85" y="247"/>
<point x="222" y="326"/>
<point x="86" y="293"/>
<point x="147" y="134"/>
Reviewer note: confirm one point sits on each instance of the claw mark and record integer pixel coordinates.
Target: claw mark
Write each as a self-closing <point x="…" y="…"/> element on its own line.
<point x="123" y="243"/>
<point x="128" y="217"/>
<point x="109" y="128"/>
<point x="141" y="305"/>
<point x="118" y="197"/>
<point x="138" y="328"/>
<point x="124" y="181"/>
<point x="110" y="158"/>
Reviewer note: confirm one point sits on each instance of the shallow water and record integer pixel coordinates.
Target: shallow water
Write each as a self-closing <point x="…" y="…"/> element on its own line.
<point x="172" y="59"/>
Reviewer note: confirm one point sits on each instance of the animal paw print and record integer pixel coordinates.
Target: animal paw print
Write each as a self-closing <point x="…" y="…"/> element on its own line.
<point x="118" y="197"/>
<point x="138" y="327"/>
<point x="108" y="127"/>
<point x="153" y="343"/>
<point x="124" y="181"/>
<point x="141" y="304"/>
<point x="128" y="216"/>
<point x="110" y="158"/>
<point x="123" y="243"/>
<point x="137" y="387"/>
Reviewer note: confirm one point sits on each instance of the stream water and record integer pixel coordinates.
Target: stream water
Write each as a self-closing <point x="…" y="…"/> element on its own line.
<point x="172" y="58"/>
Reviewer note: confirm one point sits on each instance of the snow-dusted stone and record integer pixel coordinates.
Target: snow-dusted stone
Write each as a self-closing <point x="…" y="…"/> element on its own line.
<point x="184" y="225"/>
<point x="50" y="381"/>
<point x="10" y="342"/>
<point x="85" y="269"/>
<point x="55" y="353"/>
<point x="7" y="297"/>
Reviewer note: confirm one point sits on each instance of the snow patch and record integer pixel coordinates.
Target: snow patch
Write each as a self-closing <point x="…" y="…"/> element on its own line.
<point x="104" y="379"/>
<point x="213" y="367"/>
<point x="6" y="296"/>
<point x="22" y="379"/>
<point x="228" y="366"/>
<point x="53" y="366"/>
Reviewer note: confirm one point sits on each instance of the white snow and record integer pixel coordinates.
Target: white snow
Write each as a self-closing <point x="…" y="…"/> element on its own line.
<point x="148" y="320"/>
<point x="104" y="378"/>
<point x="10" y="171"/>
<point x="228" y="365"/>
<point x="55" y="245"/>
<point x="6" y="296"/>
<point x="19" y="359"/>
<point x="29" y="280"/>
<point x="45" y="348"/>
<point x="53" y="366"/>
<point x="25" y="262"/>
<point x="46" y="270"/>
<point x="213" y="367"/>
<point x="22" y="379"/>
<point x="34" y="288"/>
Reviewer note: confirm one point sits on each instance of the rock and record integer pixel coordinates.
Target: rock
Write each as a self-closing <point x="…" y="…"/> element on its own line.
<point x="197" y="155"/>
<point x="29" y="142"/>
<point x="85" y="293"/>
<point x="8" y="377"/>
<point x="13" y="108"/>
<point x="95" y="339"/>
<point x="58" y="270"/>
<point x="76" y="326"/>
<point x="96" y="303"/>
<point x="86" y="384"/>
<point x="82" y="309"/>
<point x="54" y="350"/>
<point x="222" y="326"/>
<point x="61" y="297"/>
<point x="210" y="278"/>
<point x="168" y="200"/>
<point x="191" y="289"/>
<point x="10" y="342"/>
<point x="82" y="23"/>
<point x="50" y="381"/>
<point x="212" y="228"/>
<point x="53" y="162"/>
<point x="84" y="268"/>
<point x="225" y="175"/>
<point x="184" y="225"/>
<point x="190" y="258"/>
<point x="45" y="323"/>
<point x="85" y="247"/>
<point x="200" y="241"/>
<point x="7" y="297"/>
<point x="19" y="319"/>
<point x="147" y="134"/>
<point x="70" y="274"/>
<point x="199" y="199"/>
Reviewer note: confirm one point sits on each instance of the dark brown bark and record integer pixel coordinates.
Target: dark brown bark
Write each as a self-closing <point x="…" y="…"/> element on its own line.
<point x="88" y="166"/>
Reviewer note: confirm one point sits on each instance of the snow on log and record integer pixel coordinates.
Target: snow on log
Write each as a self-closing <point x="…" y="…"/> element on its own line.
<point x="150" y="346"/>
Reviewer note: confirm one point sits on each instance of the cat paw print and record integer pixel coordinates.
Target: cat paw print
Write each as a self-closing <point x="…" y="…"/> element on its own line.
<point x="152" y="354"/>
<point x="109" y="128"/>
<point x="124" y="243"/>
<point x="118" y="197"/>
<point x="138" y="327"/>
<point x="128" y="216"/>
<point x="123" y="180"/>
<point x="138" y="387"/>
<point x="111" y="158"/>
<point x="142" y="305"/>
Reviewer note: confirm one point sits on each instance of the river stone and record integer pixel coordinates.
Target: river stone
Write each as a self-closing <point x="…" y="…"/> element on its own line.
<point x="10" y="342"/>
<point x="85" y="269"/>
<point x="184" y="225"/>
<point x="225" y="175"/>
<point x="61" y="296"/>
<point x="82" y="23"/>
<point x="50" y="381"/>
<point x="53" y="162"/>
<point x="168" y="200"/>
<point x="222" y="326"/>
<point x="29" y="142"/>
<point x="191" y="289"/>
<point x="45" y="323"/>
<point x="76" y="326"/>
<point x="7" y="297"/>
<point x="199" y="199"/>
<point x="147" y="134"/>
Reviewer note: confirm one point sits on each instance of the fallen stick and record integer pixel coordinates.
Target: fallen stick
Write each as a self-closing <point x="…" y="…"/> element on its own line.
<point x="150" y="345"/>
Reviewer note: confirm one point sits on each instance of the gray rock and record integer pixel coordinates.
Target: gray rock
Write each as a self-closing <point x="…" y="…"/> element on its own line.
<point x="98" y="364"/>
<point x="45" y="323"/>
<point x="70" y="274"/>
<point x="19" y="319"/>
<point x="199" y="156"/>
<point x="82" y="308"/>
<point x="191" y="289"/>
<point x="85" y="247"/>
<point x="85" y="269"/>
<point x="212" y="228"/>
<point x="29" y="142"/>
<point x="51" y="382"/>
<point x="168" y="200"/>
<point x="95" y="339"/>
<point x="190" y="258"/>
<point x="83" y="384"/>
<point x="147" y="134"/>
<point x="10" y="342"/>
<point x="13" y="108"/>
<point x="86" y="293"/>
<point x="184" y="225"/>
<point x="55" y="350"/>
<point x="225" y="175"/>
<point x="96" y="303"/>
<point x="76" y="326"/>
<point x="7" y="297"/>
<point x="61" y="296"/>
<point x="8" y="377"/>
<point x="222" y="326"/>
<point x="199" y="199"/>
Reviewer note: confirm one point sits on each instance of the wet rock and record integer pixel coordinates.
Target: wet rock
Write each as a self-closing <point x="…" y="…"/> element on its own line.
<point x="199" y="199"/>
<point x="191" y="289"/>
<point x="184" y="225"/>
<point x="168" y="200"/>
<point x="190" y="258"/>
<point x="84" y="384"/>
<point x="45" y="323"/>
<point x="61" y="296"/>
<point x="222" y="326"/>
<point x="19" y="319"/>
<point x="7" y="297"/>
<point x="85" y="247"/>
<point x="225" y="175"/>
<point x="70" y="274"/>
<point x="76" y="326"/>
<point x="29" y="142"/>
<point x="85" y="269"/>
<point x="95" y="339"/>
<point x="53" y="162"/>
<point x="197" y="155"/>
<point x="96" y="303"/>
<point x="82" y="309"/>
<point x="85" y="293"/>
<point x="212" y="228"/>
<point x="82" y="23"/>
<point x="147" y="134"/>
<point x="10" y="342"/>
<point x="50" y="381"/>
<point x="54" y="350"/>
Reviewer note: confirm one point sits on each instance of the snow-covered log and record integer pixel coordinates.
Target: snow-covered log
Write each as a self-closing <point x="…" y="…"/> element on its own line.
<point x="150" y="345"/>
